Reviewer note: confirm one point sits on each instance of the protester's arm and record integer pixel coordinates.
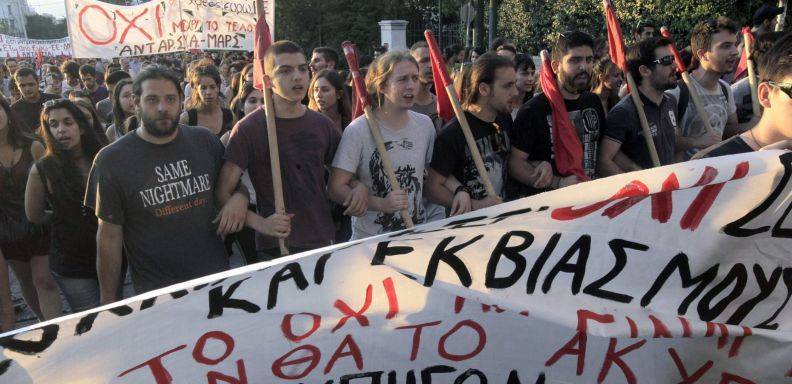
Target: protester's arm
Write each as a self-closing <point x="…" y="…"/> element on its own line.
<point x="538" y="174"/>
<point x="7" y="314"/>
<point x="436" y="191"/>
<point x="732" y="127"/>
<point x="606" y="165"/>
<point x="109" y="239"/>
<point x="625" y="163"/>
<point x="345" y="190"/>
<point x="35" y="199"/>
<point x="37" y="150"/>
<point x="276" y="225"/>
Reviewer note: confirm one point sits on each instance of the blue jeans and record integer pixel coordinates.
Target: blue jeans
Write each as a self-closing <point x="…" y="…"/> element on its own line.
<point x="81" y="294"/>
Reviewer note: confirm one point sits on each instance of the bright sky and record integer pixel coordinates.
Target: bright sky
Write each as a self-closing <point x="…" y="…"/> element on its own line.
<point x="55" y="8"/>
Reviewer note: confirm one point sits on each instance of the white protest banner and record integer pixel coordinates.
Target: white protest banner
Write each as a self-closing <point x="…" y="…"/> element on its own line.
<point x="12" y="46"/>
<point x="677" y="274"/>
<point x="103" y="30"/>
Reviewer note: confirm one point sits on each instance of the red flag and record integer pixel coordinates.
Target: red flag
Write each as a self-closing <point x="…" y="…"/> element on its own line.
<point x="677" y="58"/>
<point x="262" y="39"/>
<point x="39" y="58"/>
<point x="566" y="144"/>
<point x="361" y="95"/>
<point x="615" y="38"/>
<point x="742" y="67"/>
<point x="357" y="107"/>
<point x="440" y="77"/>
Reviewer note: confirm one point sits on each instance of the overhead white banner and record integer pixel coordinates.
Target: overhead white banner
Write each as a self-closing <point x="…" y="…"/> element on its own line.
<point x="677" y="274"/>
<point x="104" y="30"/>
<point x="12" y="46"/>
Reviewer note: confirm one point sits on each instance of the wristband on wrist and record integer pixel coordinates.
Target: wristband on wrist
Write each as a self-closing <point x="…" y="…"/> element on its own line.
<point x="464" y="188"/>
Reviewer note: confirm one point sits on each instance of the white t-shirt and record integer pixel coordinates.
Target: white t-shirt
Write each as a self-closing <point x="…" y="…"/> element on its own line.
<point x="410" y="152"/>
<point x="719" y="107"/>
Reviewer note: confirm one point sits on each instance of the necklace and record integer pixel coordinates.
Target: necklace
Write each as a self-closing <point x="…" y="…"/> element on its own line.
<point x="754" y="139"/>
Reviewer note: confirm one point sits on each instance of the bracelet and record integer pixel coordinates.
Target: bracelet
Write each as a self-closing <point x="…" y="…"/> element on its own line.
<point x="464" y="188"/>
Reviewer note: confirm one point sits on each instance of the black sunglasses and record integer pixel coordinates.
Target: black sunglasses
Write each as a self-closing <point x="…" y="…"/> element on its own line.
<point x="784" y="87"/>
<point x="665" y="60"/>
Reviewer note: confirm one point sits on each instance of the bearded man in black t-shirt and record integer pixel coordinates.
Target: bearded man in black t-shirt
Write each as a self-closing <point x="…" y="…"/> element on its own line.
<point x="532" y="165"/>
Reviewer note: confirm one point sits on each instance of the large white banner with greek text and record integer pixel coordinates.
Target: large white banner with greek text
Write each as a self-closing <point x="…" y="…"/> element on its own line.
<point x="678" y="274"/>
<point x="99" y="29"/>
<point x="12" y="46"/>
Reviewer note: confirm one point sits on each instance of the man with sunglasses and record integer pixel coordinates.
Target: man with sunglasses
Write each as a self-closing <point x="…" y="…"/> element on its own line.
<point x="623" y="147"/>
<point x="774" y="129"/>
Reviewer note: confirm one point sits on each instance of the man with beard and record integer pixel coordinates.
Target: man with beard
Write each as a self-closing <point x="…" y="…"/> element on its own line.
<point x="532" y="163"/>
<point x="715" y="53"/>
<point x="307" y="141"/>
<point x="152" y="191"/>
<point x="487" y="102"/>
<point x="623" y="147"/>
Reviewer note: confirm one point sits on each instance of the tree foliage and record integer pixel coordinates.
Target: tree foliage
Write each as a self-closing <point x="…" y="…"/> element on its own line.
<point x="45" y="27"/>
<point x="533" y="24"/>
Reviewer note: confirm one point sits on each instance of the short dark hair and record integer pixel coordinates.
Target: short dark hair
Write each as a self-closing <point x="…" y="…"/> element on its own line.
<point x="645" y="24"/>
<point x="482" y="71"/>
<point x="642" y="53"/>
<point x="87" y="70"/>
<point x="776" y="64"/>
<point x="277" y="48"/>
<point x="70" y="67"/>
<point x="329" y="54"/>
<point x="524" y="62"/>
<point x="502" y="42"/>
<point x="570" y="40"/>
<point x="156" y="72"/>
<point x="701" y="36"/>
<point x="112" y="78"/>
<point x="25" y="72"/>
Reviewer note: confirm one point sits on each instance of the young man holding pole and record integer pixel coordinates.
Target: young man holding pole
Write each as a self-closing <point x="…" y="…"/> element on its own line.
<point x="533" y="163"/>
<point x="487" y="103"/>
<point x="714" y="47"/>
<point x="651" y="64"/>
<point x="774" y="129"/>
<point x="307" y="141"/>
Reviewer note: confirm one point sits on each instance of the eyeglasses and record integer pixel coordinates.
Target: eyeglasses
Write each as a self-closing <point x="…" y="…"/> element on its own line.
<point x="665" y="61"/>
<point x="784" y="87"/>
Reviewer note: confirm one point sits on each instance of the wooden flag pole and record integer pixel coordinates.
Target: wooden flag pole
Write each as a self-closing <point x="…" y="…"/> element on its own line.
<point x="463" y="123"/>
<point x="349" y="52"/>
<point x="757" y="109"/>
<point x="274" y="153"/>
<point x="647" y="133"/>
<point x="694" y="95"/>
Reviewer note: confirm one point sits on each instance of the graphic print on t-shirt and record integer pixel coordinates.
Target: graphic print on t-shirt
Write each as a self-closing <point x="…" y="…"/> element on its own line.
<point x="493" y="154"/>
<point x="408" y="180"/>
<point x="175" y="182"/>
<point x="587" y="126"/>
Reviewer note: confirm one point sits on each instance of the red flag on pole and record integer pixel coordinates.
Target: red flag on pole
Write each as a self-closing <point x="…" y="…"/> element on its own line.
<point x="262" y="39"/>
<point x="615" y="38"/>
<point x="677" y="58"/>
<point x="358" y="87"/>
<point x="742" y="66"/>
<point x="39" y="58"/>
<point x="566" y="144"/>
<point x="440" y="77"/>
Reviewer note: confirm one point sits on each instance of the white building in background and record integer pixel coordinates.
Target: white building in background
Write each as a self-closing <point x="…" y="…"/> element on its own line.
<point x="12" y="17"/>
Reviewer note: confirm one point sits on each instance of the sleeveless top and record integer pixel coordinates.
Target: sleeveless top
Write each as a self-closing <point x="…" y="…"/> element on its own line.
<point x="13" y="181"/>
<point x="228" y="119"/>
<point x="73" y="226"/>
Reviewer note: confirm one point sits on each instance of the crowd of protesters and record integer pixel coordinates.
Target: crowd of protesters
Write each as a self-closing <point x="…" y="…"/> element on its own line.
<point x="158" y="167"/>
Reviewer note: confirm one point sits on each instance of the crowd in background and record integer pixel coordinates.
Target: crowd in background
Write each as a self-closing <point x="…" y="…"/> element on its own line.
<point x="158" y="167"/>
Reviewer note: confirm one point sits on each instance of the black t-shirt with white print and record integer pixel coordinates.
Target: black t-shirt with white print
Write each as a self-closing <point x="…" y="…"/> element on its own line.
<point x="532" y="132"/>
<point x="452" y="155"/>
